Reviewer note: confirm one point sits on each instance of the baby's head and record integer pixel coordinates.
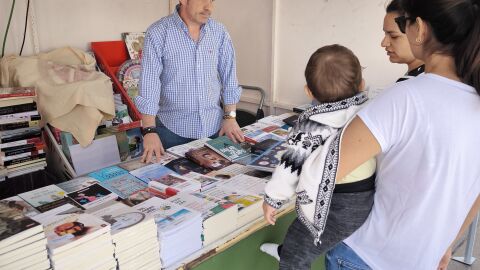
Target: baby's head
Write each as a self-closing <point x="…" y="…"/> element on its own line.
<point x="333" y="73"/>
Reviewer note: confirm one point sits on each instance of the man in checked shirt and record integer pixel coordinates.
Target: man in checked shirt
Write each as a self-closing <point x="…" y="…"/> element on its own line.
<point x="188" y="70"/>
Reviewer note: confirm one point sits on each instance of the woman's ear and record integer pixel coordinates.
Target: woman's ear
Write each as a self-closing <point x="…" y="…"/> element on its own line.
<point x="421" y="31"/>
<point x="308" y="92"/>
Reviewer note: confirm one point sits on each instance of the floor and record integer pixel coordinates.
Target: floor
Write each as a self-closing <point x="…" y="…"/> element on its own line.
<point x="459" y="252"/>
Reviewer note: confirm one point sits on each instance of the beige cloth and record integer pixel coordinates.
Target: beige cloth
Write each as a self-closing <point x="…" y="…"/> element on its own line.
<point x="71" y="95"/>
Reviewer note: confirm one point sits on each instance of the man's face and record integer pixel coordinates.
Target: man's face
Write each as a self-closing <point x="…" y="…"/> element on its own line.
<point x="196" y="11"/>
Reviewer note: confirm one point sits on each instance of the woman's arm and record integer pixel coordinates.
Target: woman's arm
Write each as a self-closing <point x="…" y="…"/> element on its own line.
<point x="357" y="146"/>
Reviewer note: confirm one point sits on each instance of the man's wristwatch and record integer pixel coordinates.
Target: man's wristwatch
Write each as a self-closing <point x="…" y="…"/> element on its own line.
<point x="230" y="115"/>
<point x="147" y="130"/>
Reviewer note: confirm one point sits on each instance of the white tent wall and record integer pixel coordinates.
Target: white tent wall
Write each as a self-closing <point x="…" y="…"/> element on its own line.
<point x="273" y="38"/>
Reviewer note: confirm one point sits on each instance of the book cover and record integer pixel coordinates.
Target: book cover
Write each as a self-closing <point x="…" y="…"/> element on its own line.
<point x="92" y="196"/>
<point x="118" y="181"/>
<point x="226" y="148"/>
<point x="134" y="42"/>
<point x="77" y="184"/>
<point x="13" y="220"/>
<point x="9" y="92"/>
<point x="207" y="158"/>
<point x="42" y="196"/>
<point x="183" y="166"/>
<point x="108" y="173"/>
<point x="181" y="149"/>
<point x="168" y="216"/>
<point x="205" y="181"/>
<point x="20" y="204"/>
<point x="135" y="142"/>
<point x="291" y="120"/>
<point x="208" y="206"/>
<point x="260" y="147"/>
<point x="243" y="200"/>
<point x="270" y="159"/>
<point x="67" y="231"/>
<point x="171" y="184"/>
<point x="120" y="216"/>
<point x="151" y="172"/>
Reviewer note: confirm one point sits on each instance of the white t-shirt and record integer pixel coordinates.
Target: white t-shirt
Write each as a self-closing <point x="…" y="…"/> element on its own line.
<point x="428" y="174"/>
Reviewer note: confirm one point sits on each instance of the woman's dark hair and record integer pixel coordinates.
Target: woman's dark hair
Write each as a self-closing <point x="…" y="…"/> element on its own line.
<point x="394" y="6"/>
<point x="456" y="26"/>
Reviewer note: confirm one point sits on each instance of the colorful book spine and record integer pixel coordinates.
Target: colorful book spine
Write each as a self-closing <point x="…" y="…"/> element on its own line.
<point x="23" y="159"/>
<point x="18" y="108"/>
<point x="9" y="126"/>
<point x="12" y="92"/>
<point x="34" y="140"/>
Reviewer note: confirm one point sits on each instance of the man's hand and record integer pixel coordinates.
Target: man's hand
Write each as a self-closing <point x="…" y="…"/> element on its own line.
<point x="231" y="129"/>
<point x="443" y="264"/>
<point x="152" y="145"/>
<point x="269" y="213"/>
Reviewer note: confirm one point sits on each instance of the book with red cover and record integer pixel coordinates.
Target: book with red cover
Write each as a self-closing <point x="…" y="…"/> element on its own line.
<point x="11" y="92"/>
<point x="207" y="158"/>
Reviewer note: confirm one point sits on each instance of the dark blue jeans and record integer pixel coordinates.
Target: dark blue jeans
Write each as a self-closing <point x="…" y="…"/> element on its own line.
<point x="169" y="138"/>
<point x="342" y="257"/>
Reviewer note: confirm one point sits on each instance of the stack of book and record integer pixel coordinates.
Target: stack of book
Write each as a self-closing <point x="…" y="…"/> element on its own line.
<point x="78" y="241"/>
<point x="21" y="144"/>
<point x="134" y="235"/>
<point x="219" y="216"/>
<point x="22" y="240"/>
<point x="179" y="229"/>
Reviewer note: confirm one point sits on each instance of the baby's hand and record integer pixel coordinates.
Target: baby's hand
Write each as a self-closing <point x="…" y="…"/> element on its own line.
<point x="269" y="213"/>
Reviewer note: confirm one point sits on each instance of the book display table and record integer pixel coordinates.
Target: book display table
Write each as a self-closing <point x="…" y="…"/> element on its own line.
<point x="241" y="249"/>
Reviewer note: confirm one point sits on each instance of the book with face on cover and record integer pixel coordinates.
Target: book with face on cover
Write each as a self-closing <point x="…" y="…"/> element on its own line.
<point x="227" y="149"/>
<point x="92" y="196"/>
<point x="183" y="166"/>
<point x="207" y="158"/>
<point x="67" y="231"/>
<point x="118" y="181"/>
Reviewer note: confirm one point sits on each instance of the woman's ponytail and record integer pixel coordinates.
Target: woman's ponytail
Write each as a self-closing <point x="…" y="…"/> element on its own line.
<point x="467" y="53"/>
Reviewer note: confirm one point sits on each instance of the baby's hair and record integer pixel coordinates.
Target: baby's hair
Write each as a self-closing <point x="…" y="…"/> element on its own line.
<point x="333" y="73"/>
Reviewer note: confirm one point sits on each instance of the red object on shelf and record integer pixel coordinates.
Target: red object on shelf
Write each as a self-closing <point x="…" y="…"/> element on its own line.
<point x="110" y="56"/>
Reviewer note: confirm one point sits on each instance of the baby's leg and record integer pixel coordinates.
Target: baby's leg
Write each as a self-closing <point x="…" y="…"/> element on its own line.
<point x="298" y="250"/>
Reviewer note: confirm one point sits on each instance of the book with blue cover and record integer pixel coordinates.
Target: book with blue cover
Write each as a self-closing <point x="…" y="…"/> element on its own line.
<point x="269" y="159"/>
<point x="119" y="181"/>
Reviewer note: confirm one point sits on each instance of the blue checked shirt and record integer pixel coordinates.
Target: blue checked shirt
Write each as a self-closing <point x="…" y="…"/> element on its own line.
<point x="183" y="81"/>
